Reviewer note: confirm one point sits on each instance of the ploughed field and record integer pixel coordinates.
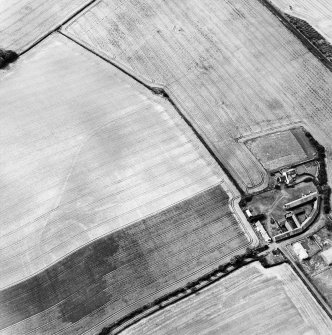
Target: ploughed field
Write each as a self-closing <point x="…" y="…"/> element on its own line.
<point x="85" y="151"/>
<point x="123" y="271"/>
<point x="24" y="22"/>
<point x="318" y="13"/>
<point x="252" y="300"/>
<point x="231" y="67"/>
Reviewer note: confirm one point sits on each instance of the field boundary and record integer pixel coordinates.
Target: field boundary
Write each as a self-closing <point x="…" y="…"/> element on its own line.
<point x="272" y="130"/>
<point x="191" y="288"/>
<point x="282" y="17"/>
<point x="55" y="28"/>
<point x="307" y="282"/>
<point x="161" y="91"/>
<point x="290" y="127"/>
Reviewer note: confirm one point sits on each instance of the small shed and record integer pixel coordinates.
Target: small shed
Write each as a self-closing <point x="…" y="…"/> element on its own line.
<point x="327" y="256"/>
<point x="300" y="251"/>
<point x="248" y="213"/>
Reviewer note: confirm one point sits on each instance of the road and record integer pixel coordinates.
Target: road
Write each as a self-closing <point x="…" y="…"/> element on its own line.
<point x="309" y="285"/>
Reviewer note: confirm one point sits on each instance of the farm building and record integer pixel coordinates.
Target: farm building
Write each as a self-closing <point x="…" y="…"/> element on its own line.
<point x="301" y="201"/>
<point x="300" y="251"/>
<point x="260" y="228"/>
<point x="327" y="256"/>
<point x="290" y="175"/>
<point x="248" y="213"/>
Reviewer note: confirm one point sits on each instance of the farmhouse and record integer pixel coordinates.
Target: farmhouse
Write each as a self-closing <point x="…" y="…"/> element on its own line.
<point x="287" y="177"/>
<point x="327" y="256"/>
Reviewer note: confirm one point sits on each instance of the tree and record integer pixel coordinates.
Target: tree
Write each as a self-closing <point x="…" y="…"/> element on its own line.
<point x="329" y="225"/>
<point x="327" y="208"/>
<point x="236" y="260"/>
<point x="6" y="57"/>
<point x="222" y="267"/>
<point x="251" y="251"/>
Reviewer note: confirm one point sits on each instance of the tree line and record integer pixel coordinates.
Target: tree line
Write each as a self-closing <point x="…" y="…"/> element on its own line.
<point x="252" y="254"/>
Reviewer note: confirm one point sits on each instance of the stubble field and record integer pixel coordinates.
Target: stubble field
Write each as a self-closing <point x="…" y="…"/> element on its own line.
<point x="252" y="300"/>
<point x="85" y="151"/>
<point x="24" y="22"/>
<point x="231" y="67"/>
<point x="108" y="200"/>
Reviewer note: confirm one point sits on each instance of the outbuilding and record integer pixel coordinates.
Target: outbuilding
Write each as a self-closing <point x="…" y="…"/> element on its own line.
<point x="300" y="252"/>
<point x="327" y="256"/>
<point x="248" y="213"/>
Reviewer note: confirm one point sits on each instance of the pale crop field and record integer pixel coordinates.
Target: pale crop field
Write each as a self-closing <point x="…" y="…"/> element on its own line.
<point x="252" y="300"/>
<point x="318" y="13"/>
<point x="231" y="67"/>
<point x="113" y="276"/>
<point x="85" y="151"/>
<point x="24" y="22"/>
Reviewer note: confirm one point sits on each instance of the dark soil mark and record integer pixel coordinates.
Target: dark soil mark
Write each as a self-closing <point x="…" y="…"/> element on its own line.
<point x="130" y="267"/>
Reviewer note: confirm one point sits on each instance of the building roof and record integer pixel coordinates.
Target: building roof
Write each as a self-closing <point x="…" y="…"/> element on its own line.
<point x="263" y="232"/>
<point x="300" y="201"/>
<point x="327" y="256"/>
<point x="300" y="251"/>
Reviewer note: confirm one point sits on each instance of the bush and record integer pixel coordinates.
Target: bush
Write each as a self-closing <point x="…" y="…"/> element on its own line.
<point x="248" y="198"/>
<point x="105" y="331"/>
<point x="329" y="225"/>
<point x="6" y="57"/>
<point x="327" y="208"/>
<point x="236" y="260"/>
<point x="10" y="56"/>
<point x="222" y="267"/>
<point x="257" y="217"/>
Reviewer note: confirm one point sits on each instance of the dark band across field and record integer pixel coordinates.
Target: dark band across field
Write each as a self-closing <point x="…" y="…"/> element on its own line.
<point x="128" y="268"/>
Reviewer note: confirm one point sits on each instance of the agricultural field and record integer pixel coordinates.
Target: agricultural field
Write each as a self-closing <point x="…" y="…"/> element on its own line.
<point x="281" y="149"/>
<point x="318" y="13"/>
<point x="252" y="300"/>
<point x="24" y="22"/>
<point x="85" y="151"/>
<point x="319" y="272"/>
<point x="230" y="66"/>
<point x="125" y="270"/>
